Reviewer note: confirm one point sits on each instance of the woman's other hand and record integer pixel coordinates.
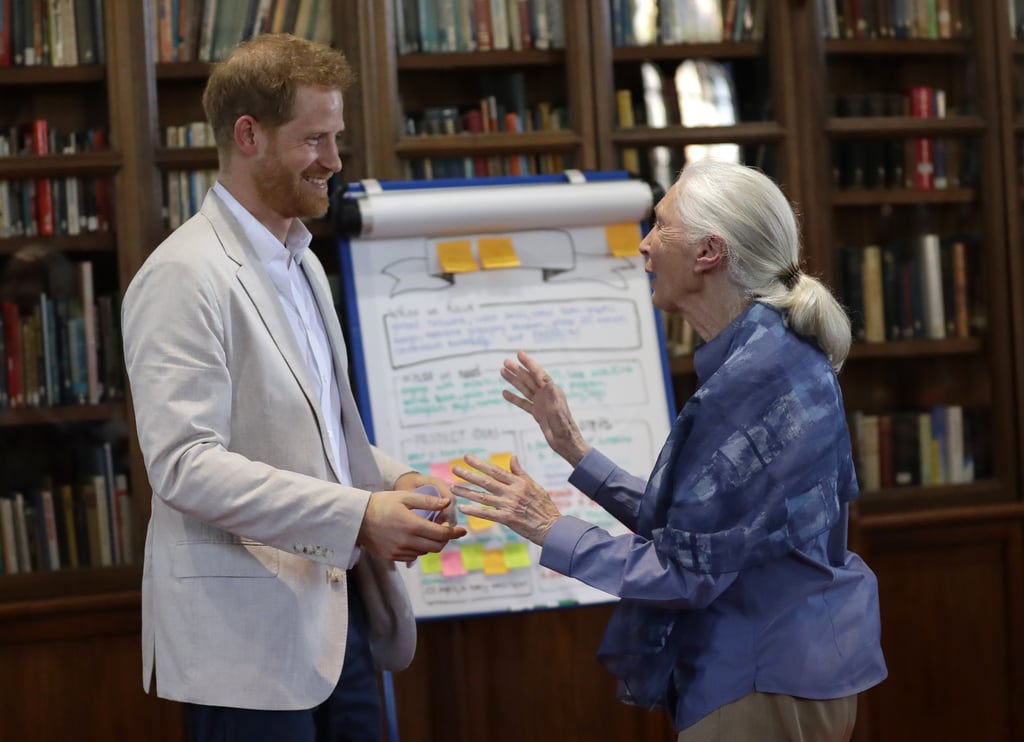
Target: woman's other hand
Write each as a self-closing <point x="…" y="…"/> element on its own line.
<point x="545" y="401"/>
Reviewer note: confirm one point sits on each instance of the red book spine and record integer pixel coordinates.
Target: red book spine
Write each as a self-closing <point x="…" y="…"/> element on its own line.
<point x="922" y="106"/>
<point x="5" y="33"/>
<point x="44" y="188"/>
<point x="484" y="36"/>
<point x="524" y="24"/>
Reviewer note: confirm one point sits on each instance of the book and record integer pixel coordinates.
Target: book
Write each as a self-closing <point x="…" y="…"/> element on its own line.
<point x="870" y="454"/>
<point x="930" y="262"/>
<point x="874" y="307"/>
<point x="6" y="58"/>
<point x="624" y="106"/>
<point x="7" y="536"/>
<point x="87" y="295"/>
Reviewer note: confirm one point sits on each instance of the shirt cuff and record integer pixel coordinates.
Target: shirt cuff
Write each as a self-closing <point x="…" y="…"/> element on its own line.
<point x="560" y="543"/>
<point x="592" y="472"/>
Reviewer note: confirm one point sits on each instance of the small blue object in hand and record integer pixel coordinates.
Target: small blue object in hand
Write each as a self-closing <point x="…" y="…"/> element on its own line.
<point x="431" y="515"/>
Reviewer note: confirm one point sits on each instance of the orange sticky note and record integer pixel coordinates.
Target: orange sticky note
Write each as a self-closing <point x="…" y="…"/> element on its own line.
<point x="517" y="556"/>
<point x="456" y="256"/>
<point x="430" y="563"/>
<point x="456" y="462"/>
<point x="623" y="239"/>
<point x="504" y="460"/>
<point x="497" y="252"/>
<point x="473" y="557"/>
<point x="451" y="564"/>
<point x="494" y="562"/>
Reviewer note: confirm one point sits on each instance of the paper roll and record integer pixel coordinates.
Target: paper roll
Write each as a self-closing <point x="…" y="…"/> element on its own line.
<point x="441" y="212"/>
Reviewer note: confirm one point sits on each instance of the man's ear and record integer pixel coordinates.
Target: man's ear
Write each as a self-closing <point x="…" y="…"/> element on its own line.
<point x="711" y="253"/>
<point x="247" y="133"/>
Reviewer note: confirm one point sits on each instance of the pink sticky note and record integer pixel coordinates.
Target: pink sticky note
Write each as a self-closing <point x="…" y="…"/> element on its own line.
<point x="451" y="564"/>
<point x="443" y="471"/>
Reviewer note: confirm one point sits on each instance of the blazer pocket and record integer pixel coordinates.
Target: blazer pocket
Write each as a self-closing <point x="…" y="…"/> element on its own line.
<point x="221" y="559"/>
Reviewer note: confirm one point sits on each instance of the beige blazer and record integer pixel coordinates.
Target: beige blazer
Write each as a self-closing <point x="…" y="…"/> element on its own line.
<point x="244" y="592"/>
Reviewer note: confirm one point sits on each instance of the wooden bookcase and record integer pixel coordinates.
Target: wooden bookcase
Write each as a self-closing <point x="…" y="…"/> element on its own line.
<point x="949" y="558"/>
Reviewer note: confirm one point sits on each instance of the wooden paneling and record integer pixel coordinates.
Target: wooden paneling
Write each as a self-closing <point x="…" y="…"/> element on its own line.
<point x="73" y="670"/>
<point x="529" y="676"/>
<point x="951" y="599"/>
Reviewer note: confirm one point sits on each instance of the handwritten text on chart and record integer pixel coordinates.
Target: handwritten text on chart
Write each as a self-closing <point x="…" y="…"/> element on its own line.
<point x="416" y="335"/>
<point x="448" y="393"/>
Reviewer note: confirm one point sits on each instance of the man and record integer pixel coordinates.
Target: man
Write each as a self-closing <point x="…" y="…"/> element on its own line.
<point x="270" y="590"/>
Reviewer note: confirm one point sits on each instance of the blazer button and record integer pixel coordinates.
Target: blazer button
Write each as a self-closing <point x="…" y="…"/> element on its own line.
<point x="334" y="575"/>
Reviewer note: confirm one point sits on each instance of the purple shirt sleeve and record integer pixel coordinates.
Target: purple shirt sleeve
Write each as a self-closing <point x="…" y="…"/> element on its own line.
<point x="626" y="566"/>
<point x="614" y="489"/>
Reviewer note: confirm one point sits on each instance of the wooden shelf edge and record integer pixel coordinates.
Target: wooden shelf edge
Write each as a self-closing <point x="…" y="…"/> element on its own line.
<point x="898" y="47"/>
<point x="130" y="599"/>
<point x="712" y="50"/>
<point x="458" y="145"/>
<point x="743" y="133"/>
<point x="63" y="414"/>
<point x="902" y="196"/>
<point x="893" y="126"/>
<point x="189" y="158"/>
<point x="49" y="75"/>
<point x="48" y="166"/>
<point x="183" y="70"/>
<point x="477" y="60"/>
<point x="914" y="348"/>
<point x="89" y="242"/>
<point x="940" y="516"/>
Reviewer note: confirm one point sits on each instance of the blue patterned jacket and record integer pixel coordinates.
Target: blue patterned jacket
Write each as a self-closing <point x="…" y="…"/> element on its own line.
<point x="737" y="575"/>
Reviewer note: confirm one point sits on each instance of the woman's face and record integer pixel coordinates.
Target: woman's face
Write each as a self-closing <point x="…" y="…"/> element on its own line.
<point x="671" y="258"/>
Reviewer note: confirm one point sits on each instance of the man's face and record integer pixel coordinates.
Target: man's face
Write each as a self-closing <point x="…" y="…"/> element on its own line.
<point x="292" y="170"/>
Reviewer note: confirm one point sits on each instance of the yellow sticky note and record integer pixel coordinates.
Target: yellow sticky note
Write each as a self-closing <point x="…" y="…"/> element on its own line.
<point x="504" y="460"/>
<point x="456" y="256"/>
<point x="479" y="524"/>
<point x="623" y="239"/>
<point x="497" y="252"/>
<point x="473" y="557"/>
<point x="517" y="556"/>
<point x="494" y="562"/>
<point x="430" y="563"/>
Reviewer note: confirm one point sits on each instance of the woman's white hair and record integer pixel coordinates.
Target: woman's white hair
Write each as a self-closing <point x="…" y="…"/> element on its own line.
<point x="758" y="225"/>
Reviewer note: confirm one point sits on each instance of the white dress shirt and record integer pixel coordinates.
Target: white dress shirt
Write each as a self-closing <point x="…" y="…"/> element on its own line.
<point x="284" y="265"/>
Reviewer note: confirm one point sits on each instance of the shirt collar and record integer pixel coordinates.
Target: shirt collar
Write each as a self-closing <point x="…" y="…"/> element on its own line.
<point x="711" y="355"/>
<point x="263" y="242"/>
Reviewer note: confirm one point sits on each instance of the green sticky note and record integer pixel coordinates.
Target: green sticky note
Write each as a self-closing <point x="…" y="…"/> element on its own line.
<point x="430" y="563"/>
<point x="473" y="556"/>
<point x="517" y="556"/>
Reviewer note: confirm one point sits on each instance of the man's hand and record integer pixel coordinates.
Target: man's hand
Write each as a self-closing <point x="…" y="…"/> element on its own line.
<point x="413" y="479"/>
<point x="389" y="530"/>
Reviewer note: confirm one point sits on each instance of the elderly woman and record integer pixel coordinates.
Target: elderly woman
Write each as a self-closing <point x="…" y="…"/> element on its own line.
<point x="742" y="611"/>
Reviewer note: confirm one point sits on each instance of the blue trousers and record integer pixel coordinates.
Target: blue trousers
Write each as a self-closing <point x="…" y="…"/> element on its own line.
<point x="352" y="713"/>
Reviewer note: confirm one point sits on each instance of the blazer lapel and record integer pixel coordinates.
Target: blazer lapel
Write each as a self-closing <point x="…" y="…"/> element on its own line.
<point x="362" y="465"/>
<point x="265" y="301"/>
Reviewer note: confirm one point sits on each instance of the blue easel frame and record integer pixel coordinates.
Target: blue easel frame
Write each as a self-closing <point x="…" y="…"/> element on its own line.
<point x="354" y="333"/>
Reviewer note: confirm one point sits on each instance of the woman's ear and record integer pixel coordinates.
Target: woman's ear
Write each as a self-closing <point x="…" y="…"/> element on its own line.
<point x="711" y="253"/>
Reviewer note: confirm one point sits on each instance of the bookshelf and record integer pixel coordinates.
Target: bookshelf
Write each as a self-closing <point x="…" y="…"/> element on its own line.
<point x="949" y="557"/>
<point x="906" y="135"/>
<point x="477" y="113"/>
